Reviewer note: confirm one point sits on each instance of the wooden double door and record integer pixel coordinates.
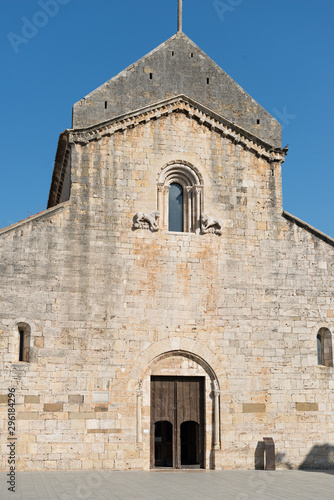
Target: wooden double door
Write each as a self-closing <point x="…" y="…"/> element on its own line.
<point x="177" y="422"/>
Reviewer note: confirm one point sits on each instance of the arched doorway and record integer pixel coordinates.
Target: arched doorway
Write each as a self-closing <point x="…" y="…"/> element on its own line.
<point x="180" y="357"/>
<point x="177" y="421"/>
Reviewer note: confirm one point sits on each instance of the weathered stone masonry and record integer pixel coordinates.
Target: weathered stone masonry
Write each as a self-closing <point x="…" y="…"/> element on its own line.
<point x="109" y="305"/>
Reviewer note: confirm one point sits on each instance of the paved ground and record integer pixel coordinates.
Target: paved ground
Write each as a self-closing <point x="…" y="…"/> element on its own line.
<point x="191" y="485"/>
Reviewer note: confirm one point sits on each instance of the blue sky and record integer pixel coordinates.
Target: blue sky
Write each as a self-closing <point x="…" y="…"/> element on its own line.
<point x="280" y="51"/>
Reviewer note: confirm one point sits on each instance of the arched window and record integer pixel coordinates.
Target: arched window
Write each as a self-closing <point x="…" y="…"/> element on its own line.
<point x="180" y="197"/>
<point x="24" y="342"/>
<point x="324" y="347"/>
<point x="175" y="207"/>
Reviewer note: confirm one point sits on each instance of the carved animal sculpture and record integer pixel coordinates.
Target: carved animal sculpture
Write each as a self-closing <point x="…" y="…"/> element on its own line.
<point x="211" y="225"/>
<point x="141" y="220"/>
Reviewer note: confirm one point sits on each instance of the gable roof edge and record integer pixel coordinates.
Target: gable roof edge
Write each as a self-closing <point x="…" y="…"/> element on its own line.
<point x="304" y="225"/>
<point x="59" y="168"/>
<point x="49" y="212"/>
<point x="125" y="70"/>
<point x="204" y="115"/>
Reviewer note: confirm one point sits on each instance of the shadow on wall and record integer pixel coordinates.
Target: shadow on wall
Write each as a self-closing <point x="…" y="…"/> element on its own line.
<point x="321" y="457"/>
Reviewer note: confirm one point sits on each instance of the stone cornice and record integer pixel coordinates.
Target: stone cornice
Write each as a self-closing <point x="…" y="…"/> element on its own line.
<point x="186" y="105"/>
<point x="50" y="212"/>
<point x="322" y="236"/>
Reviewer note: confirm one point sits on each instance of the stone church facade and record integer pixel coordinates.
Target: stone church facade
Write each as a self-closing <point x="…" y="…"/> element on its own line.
<point x="141" y="328"/>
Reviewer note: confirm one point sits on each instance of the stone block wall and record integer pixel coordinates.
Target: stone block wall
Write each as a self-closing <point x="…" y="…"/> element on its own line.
<point x="104" y="302"/>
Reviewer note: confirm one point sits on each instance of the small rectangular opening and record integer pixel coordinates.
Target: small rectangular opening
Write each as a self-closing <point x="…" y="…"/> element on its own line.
<point x="258" y="121"/>
<point x="21" y="332"/>
<point x="105" y="104"/>
<point x="208" y="81"/>
<point x="151" y="76"/>
<point x="192" y="55"/>
<point x="172" y="52"/>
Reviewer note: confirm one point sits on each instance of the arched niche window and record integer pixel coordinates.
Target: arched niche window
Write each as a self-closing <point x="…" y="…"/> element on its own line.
<point x="324" y="347"/>
<point x="24" y="342"/>
<point x="180" y="197"/>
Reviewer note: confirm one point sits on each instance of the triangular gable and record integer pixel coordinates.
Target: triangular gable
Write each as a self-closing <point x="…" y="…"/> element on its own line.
<point x="176" y="67"/>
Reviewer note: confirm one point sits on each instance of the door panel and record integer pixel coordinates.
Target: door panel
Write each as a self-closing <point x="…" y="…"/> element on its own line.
<point x="188" y="399"/>
<point x="163" y="399"/>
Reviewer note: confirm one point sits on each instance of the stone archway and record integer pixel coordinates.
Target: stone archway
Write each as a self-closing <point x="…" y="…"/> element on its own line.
<point x="181" y="359"/>
<point x="201" y="352"/>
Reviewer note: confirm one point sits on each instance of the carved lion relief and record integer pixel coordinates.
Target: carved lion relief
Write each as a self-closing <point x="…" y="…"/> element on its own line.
<point x="211" y="225"/>
<point x="146" y="221"/>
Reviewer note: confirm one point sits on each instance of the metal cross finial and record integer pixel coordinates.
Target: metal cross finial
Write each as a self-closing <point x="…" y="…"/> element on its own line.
<point x="179" y="19"/>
